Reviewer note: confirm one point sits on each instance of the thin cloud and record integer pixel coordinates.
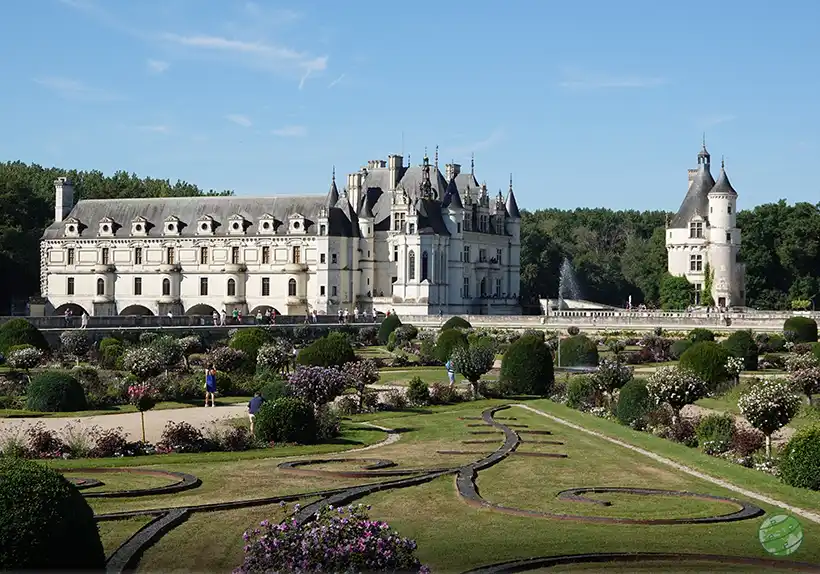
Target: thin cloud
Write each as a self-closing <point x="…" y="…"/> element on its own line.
<point x="480" y="145"/>
<point x="336" y="81"/>
<point x="582" y="81"/>
<point x="157" y="129"/>
<point x="157" y="66"/>
<point x="239" y="120"/>
<point x="71" y="89"/>
<point x="717" y="119"/>
<point x="291" y="132"/>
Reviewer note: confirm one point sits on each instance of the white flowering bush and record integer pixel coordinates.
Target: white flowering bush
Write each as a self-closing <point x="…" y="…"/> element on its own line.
<point x="226" y="359"/>
<point x="168" y="350"/>
<point x="675" y="387"/>
<point x="611" y="375"/>
<point x="799" y="362"/>
<point x="734" y="366"/>
<point x="143" y="362"/>
<point x="769" y="405"/>
<point x="275" y="356"/>
<point x="805" y="381"/>
<point x="75" y="343"/>
<point x="191" y="344"/>
<point x="25" y="359"/>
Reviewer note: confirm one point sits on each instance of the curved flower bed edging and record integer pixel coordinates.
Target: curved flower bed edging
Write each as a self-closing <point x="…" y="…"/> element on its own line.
<point x="639" y="558"/>
<point x="370" y="467"/>
<point x="183" y="482"/>
<point x="126" y="557"/>
<point x="83" y="483"/>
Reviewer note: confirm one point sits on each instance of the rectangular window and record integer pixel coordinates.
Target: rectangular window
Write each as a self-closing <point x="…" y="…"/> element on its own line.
<point x="138" y="256"/>
<point x="70" y="256"/>
<point x="395" y="253"/>
<point x="498" y="254"/>
<point x="203" y="255"/>
<point x="235" y="255"/>
<point x="412" y="227"/>
<point x="458" y="227"/>
<point x="499" y="225"/>
<point x="498" y="287"/>
<point x="170" y="256"/>
<point x="265" y="255"/>
<point x="729" y="209"/>
<point x="321" y="290"/>
<point x="482" y="255"/>
<point x="728" y="237"/>
<point x="203" y="286"/>
<point x="69" y="287"/>
<point x="265" y="286"/>
<point x="333" y="258"/>
<point x="104" y="256"/>
<point x="322" y="258"/>
<point x="322" y="230"/>
<point x="398" y="222"/>
<point x="137" y="285"/>
<point x="696" y="263"/>
<point x="696" y="230"/>
<point x="333" y="290"/>
<point x="465" y="290"/>
<point x="297" y="254"/>
<point x="466" y="254"/>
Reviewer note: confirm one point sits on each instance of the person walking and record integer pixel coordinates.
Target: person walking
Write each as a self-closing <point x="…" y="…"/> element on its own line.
<point x="84" y="320"/>
<point x="210" y="385"/>
<point x="451" y="372"/>
<point x="222" y="318"/>
<point x="253" y="407"/>
<point x="215" y="317"/>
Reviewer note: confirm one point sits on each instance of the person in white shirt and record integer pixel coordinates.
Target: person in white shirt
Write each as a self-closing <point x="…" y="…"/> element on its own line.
<point x="84" y="320"/>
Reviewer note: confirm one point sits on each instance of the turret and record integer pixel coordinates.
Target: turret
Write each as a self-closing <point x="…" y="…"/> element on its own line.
<point x="63" y="198"/>
<point x="511" y="204"/>
<point x="333" y="194"/>
<point x="366" y="219"/>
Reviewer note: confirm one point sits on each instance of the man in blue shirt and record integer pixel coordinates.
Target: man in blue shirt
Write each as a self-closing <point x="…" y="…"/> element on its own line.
<point x="253" y="407"/>
<point x="451" y="372"/>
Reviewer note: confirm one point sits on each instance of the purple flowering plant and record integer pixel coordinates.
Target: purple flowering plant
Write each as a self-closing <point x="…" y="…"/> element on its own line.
<point x="317" y="385"/>
<point x="337" y="540"/>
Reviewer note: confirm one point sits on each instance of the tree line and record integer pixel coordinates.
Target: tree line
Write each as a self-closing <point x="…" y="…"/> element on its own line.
<point x="616" y="254"/>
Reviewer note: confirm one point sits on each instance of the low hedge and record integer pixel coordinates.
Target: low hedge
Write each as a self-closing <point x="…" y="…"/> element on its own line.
<point x="54" y="392"/>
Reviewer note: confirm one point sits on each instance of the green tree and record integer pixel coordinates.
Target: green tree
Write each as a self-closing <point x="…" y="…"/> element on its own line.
<point x="706" y="298"/>
<point x="676" y="292"/>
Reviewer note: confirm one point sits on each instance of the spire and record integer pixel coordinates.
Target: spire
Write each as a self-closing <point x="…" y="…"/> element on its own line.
<point x="436" y="164"/>
<point x="425" y="185"/>
<point x="333" y="194"/>
<point x="723" y="185"/>
<point x="512" y="205"/>
<point x="472" y="164"/>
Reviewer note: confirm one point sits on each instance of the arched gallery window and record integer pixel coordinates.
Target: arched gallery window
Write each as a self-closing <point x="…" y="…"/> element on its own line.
<point x="100" y="287"/>
<point x="231" y="288"/>
<point x="411" y="266"/>
<point x="425" y="265"/>
<point x="292" y="288"/>
<point x="166" y="287"/>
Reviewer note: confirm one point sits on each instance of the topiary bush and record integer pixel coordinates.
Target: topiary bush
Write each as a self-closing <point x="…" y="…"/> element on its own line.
<point x="45" y="523"/>
<point x="334" y="350"/>
<point x="800" y="459"/>
<point x="699" y="334"/>
<point x="447" y="342"/>
<point x="679" y="347"/>
<point x="706" y="360"/>
<point x="418" y="393"/>
<point x="715" y="432"/>
<point x="406" y="333"/>
<point x="248" y="341"/>
<point x="573" y="331"/>
<point x="801" y="329"/>
<point x="582" y="393"/>
<point x="578" y="351"/>
<point x="741" y="344"/>
<point x="633" y="404"/>
<point x="286" y="419"/>
<point x="20" y="332"/>
<point x="55" y="392"/>
<point x="387" y="326"/>
<point x="526" y="368"/>
<point x="456" y="322"/>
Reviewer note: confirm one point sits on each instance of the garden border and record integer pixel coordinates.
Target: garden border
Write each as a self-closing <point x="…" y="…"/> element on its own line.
<point x="185" y="482"/>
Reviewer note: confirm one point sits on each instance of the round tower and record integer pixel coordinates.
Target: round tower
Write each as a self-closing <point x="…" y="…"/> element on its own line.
<point x="724" y="241"/>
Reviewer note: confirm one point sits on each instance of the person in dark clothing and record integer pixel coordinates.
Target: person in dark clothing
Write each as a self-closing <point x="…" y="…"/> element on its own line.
<point x="253" y="407"/>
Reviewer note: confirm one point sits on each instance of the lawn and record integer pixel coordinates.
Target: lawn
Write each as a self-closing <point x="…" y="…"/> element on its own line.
<point x="118" y="409"/>
<point x="452" y="535"/>
<point x="401" y="376"/>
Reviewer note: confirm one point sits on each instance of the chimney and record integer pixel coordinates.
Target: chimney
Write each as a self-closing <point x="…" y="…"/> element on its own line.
<point x="692" y="174"/>
<point x="355" y="190"/>
<point x="394" y="165"/>
<point x="452" y="170"/>
<point x="63" y="198"/>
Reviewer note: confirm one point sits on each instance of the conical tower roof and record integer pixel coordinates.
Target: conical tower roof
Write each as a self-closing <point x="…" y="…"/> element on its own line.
<point x="451" y="196"/>
<point x="511" y="204"/>
<point x="333" y="194"/>
<point x="723" y="185"/>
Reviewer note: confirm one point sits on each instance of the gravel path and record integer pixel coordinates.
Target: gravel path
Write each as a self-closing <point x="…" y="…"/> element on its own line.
<point x="813" y="516"/>
<point x="780" y="437"/>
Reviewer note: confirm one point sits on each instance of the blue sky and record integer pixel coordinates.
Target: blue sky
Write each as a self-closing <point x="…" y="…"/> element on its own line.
<point x="588" y="103"/>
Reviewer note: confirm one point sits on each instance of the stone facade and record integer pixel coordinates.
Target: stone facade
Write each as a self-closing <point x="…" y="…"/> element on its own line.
<point x="703" y="237"/>
<point x="406" y="238"/>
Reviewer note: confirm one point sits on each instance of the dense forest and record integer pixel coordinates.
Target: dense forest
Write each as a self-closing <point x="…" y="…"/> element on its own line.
<point x="615" y="253"/>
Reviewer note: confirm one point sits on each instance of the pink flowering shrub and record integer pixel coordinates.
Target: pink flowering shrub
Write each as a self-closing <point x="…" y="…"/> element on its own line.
<point x="317" y="385"/>
<point x="143" y="396"/>
<point x="338" y="540"/>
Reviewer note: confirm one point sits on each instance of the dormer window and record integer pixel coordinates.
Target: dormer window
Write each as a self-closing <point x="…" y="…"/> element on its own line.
<point x="296" y="224"/>
<point x="267" y="224"/>
<point x="172" y="226"/>
<point x="205" y="225"/>
<point x="107" y="227"/>
<point x="696" y="230"/>
<point x="139" y="226"/>
<point x="72" y="227"/>
<point x="237" y="224"/>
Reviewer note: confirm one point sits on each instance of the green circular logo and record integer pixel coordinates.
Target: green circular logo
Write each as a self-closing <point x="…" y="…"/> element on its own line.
<point x="781" y="535"/>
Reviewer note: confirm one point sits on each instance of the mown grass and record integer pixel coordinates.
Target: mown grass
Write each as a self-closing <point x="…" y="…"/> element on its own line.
<point x="119" y="409"/>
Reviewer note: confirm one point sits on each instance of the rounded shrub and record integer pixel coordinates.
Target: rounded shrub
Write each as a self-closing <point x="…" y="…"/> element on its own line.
<point x="581" y="392"/>
<point x="55" y="392"/>
<point x="456" y="322"/>
<point x="387" y="326"/>
<point x="801" y="329"/>
<point x="800" y="459"/>
<point x="741" y="344"/>
<point x="715" y="432"/>
<point x="447" y="342"/>
<point x="45" y="523"/>
<point x="286" y="419"/>
<point x="579" y="350"/>
<point x="699" y="334"/>
<point x="330" y="351"/>
<point x="679" y="347"/>
<point x="418" y="393"/>
<point x="248" y="341"/>
<point x="707" y="361"/>
<point x="633" y="403"/>
<point x="108" y="342"/>
<point x="573" y="331"/>
<point x="20" y="332"/>
<point x="526" y="368"/>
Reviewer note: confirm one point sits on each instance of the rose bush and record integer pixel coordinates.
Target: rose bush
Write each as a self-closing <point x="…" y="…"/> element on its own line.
<point x="769" y="405"/>
<point x="275" y="356"/>
<point x="143" y="362"/>
<point x="75" y="343"/>
<point x="25" y="359"/>
<point x="675" y="387"/>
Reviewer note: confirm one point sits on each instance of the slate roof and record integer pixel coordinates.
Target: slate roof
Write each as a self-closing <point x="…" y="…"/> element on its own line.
<point x="190" y="209"/>
<point x="723" y="184"/>
<point x="512" y="205"/>
<point x="696" y="200"/>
